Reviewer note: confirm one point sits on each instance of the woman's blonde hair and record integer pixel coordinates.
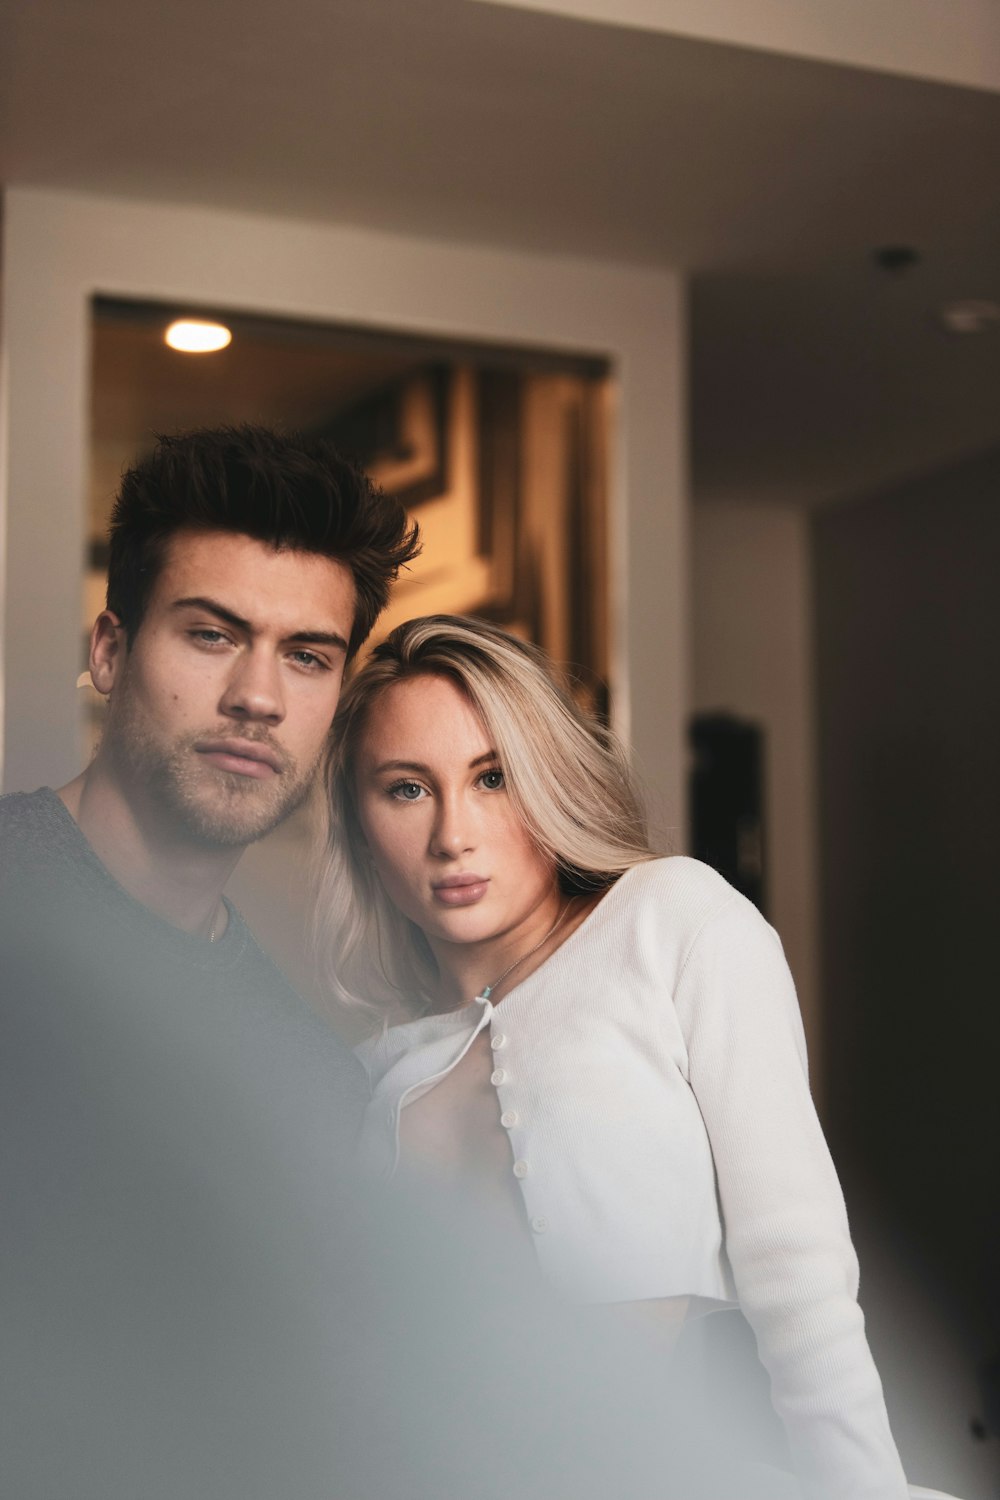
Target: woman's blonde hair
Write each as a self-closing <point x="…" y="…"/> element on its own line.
<point x="566" y="776"/>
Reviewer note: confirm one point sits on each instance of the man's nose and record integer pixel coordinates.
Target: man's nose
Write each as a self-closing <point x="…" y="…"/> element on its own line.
<point x="254" y="689"/>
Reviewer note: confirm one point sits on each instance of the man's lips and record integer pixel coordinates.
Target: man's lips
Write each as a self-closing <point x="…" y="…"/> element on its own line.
<point x="460" y="890"/>
<point x="244" y="757"/>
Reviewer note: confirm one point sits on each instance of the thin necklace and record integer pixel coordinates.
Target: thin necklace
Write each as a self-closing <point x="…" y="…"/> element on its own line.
<point x="488" y="991"/>
<point x="215" y="920"/>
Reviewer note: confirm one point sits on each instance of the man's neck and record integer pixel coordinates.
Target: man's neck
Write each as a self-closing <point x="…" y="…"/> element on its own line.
<point x="153" y="860"/>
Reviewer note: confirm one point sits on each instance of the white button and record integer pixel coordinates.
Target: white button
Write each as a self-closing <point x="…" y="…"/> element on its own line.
<point x="497" y="1041"/>
<point x="498" y="1075"/>
<point x="539" y="1225"/>
<point x="520" y="1169"/>
<point x="508" y="1119"/>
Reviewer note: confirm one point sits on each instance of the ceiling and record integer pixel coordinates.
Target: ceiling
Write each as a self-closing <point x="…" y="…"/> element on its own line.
<point x="769" y="179"/>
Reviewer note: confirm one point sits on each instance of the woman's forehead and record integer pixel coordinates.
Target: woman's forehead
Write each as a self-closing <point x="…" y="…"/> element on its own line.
<point x="430" y="709"/>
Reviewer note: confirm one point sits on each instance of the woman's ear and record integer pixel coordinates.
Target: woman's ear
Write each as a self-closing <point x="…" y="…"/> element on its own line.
<point x="107" y="651"/>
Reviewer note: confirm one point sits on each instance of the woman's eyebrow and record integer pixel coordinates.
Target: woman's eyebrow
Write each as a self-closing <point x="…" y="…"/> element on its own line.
<point x="486" y="758"/>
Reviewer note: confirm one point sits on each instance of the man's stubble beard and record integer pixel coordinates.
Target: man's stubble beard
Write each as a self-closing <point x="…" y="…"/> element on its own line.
<point x="218" y="809"/>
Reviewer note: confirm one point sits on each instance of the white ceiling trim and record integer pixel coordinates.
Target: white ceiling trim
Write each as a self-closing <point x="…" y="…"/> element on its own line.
<point x="957" y="42"/>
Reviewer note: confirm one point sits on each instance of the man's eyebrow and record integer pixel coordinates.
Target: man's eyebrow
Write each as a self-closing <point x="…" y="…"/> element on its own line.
<point x="215" y="608"/>
<point x="307" y="637"/>
<point x="319" y="638"/>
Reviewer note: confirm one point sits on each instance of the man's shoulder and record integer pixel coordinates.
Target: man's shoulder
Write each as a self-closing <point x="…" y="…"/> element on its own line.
<point x="36" y="830"/>
<point x="22" y="813"/>
<point x="249" y="962"/>
<point x="280" y="1036"/>
<point x="267" y="978"/>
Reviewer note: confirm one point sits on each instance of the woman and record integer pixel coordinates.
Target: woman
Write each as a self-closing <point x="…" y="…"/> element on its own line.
<point x="602" y="1045"/>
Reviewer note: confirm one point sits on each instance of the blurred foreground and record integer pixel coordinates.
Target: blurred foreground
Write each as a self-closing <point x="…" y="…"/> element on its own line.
<point x="199" y="1300"/>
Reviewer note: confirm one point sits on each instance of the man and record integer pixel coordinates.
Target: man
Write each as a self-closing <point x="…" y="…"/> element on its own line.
<point x="245" y="571"/>
<point x="170" y="1111"/>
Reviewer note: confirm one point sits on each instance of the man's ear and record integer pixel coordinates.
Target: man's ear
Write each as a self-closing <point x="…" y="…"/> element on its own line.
<point x="108" y="649"/>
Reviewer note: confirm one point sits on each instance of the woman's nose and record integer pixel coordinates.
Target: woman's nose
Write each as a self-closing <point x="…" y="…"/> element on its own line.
<point x="451" y="835"/>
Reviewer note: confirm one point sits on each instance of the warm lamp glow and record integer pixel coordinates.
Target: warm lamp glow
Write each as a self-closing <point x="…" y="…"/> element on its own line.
<point x="195" y="336"/>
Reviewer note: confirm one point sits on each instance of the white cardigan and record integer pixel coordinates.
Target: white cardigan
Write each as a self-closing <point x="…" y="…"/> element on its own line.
<point x="652" y="1076"/>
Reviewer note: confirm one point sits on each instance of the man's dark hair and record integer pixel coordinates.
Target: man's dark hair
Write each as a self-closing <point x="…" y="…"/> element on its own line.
<point x="287" y="490"/>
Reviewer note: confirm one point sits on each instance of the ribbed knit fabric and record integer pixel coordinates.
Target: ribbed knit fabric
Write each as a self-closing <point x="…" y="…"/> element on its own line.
<point x="666" y="1144"/>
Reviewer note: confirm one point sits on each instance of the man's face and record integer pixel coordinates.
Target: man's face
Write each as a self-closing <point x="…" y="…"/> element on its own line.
<point x="220" y="709"/>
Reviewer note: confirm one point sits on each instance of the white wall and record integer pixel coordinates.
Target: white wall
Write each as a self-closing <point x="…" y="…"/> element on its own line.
<point x="59" y="249"/>
<point x="752" y="653"/>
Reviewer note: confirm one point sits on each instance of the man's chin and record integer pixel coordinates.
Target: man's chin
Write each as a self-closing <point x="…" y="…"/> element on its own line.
<point x="240" y="814"/>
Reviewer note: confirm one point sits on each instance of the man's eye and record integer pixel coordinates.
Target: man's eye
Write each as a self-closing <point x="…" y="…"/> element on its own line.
<point x="493" y="780"/>
<point x="309" y="659"/>
<point x="209" y="637"/>
<point x="406" y="791"/>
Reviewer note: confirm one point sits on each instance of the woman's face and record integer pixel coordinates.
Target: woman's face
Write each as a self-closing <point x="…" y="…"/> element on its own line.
<point x="442" y="832"/>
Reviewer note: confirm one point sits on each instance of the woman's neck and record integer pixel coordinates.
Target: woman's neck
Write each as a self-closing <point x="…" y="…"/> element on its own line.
<point x="494" y="966"/>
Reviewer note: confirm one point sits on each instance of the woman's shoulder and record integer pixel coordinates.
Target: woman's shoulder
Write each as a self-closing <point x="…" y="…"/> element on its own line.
<point x="681" y="902"/>
<point x="690" y="890"/>
<point x="709" y="937"/>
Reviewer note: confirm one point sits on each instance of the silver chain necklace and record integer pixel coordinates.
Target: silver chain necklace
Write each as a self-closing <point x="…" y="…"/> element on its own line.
<point x="488" y="991"/>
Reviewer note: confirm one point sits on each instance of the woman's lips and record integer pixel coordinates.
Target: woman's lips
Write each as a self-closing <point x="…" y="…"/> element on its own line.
<point x="461" y="890"/>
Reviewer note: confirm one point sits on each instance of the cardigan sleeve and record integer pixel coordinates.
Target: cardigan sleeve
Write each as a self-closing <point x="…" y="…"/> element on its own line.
<point x="783" y="1212"/>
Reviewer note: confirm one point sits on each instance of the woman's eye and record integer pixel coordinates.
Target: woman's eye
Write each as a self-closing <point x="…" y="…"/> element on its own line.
<point x="406" y="791"/>
<point x="492" y="781"/>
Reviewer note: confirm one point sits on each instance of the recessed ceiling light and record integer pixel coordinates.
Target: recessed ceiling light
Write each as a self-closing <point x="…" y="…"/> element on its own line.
<point x="197" y="336"/>
<point x="970" y="316"/>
